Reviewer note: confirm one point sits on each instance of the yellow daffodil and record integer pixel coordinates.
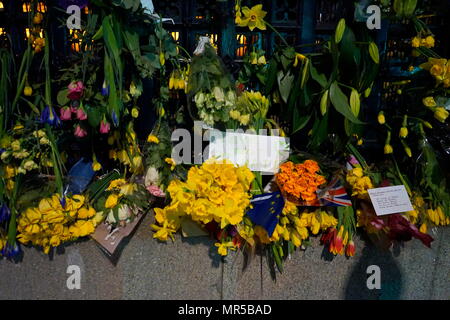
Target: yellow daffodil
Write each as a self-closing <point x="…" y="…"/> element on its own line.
<point x="153" y="139"/>
<point x="128" y="189"/>
<point x="112" y="201"/>
<point x="135" y="113"/>
<point x="441" y="114"/>
<point x="30" y="165"/>
<point x="429" y="102"/>
<point x="28" y="91"/>
<point x="235" y="114"/>
<point x="388" y="149"/>
<point x="429" y="41"/>
<point x="96" y="166"/>
<point x="298" y="57"/>
<point x="403" y="132"/>
<point x="116" y="184"/>
<point x="415" y="42"/>
<point x="381" y="118"/>
<point x="224" y="246"/>
<point x="244" y="119"/>
<point x="253" y="18"/>
<point x="171" y="162"/>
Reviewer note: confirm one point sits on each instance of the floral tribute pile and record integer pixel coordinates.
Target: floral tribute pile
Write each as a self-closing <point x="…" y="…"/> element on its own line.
<point x="86" y="142"/>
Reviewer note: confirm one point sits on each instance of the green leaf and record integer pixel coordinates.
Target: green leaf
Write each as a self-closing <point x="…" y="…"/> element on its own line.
<point x="94" y="117"/>
<point x="298" y="121"/>
<point x="62" y="97"/>
<point x="319" y="77"/>
<point x="373" y="51"/>
<point x="305" y="73"/>
<point x="339" y="31"/>
<point x="355" y="102"/>
<point x="285" y="82"/>
<point x="340" y="103"/>
<point x="324" y="103"/>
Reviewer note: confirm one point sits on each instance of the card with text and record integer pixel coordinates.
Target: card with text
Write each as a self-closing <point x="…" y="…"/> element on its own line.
<point x="389" y="200"/>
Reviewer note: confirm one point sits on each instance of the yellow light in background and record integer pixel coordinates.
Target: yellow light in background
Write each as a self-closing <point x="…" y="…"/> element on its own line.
<point x="26" y="7"/>
<point x="2" y="31"/>
<point x="242" y="42"/>
<point x="86" y="10"/>
<point x="27" y="33"/>
<point x="1" y="6"/>
<point x="213" y="39"/>
<point x="199" y="17"/>
<point x="75" y="45"/>
<point x="42" y="7"/>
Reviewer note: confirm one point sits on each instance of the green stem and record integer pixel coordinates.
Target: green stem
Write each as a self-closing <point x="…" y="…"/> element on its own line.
<point x="401" y="176"/>
<point x="277" y="33"/>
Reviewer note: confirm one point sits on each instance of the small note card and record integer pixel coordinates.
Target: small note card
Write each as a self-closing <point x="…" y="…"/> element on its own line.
<point x="389" y="200"/>
<point x="259" y="152"/>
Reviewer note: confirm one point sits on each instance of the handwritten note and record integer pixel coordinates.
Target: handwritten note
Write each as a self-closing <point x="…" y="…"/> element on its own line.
<point x="389" y="200"/>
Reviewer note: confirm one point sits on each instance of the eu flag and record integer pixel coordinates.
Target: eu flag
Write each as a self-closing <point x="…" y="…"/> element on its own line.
<point x="266" y="209"/>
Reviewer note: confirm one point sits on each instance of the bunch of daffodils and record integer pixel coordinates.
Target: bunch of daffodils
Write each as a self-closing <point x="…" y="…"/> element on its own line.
<point x="52" y="223"/>
<point x="439" y="69"/>
<point x="217" y="191"/>
<point x="295" y="226"/>
<point x="359" y="182"/>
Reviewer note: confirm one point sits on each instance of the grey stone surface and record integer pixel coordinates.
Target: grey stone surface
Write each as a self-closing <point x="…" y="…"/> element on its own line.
<point x="184" y="269"/>
<point x="191" y="269"/>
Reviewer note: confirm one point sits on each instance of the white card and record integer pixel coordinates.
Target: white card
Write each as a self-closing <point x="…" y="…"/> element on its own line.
<point x="389" y="200"/>
<point x="258" y="152"/>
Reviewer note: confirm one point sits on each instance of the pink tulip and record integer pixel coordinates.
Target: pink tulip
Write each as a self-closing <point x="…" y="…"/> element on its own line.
<point x="66" y="114"/>
<point x="80" y="132"/>
<point x="104" y="127"/>
<point x="76" y="90"/>
<point x="156" y="191"/>
<point x="81" y="115"/>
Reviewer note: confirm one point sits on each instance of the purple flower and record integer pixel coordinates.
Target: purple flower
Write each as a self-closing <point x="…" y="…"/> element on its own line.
<point x="114" y="118"/>
<point x="11" y="251"/>
<point x="49" y="116"/>
<point x="5" y="213"/>
<point x="105" y="89"/>
<point x="63" y="201"/>
<point x="2" y="150"/>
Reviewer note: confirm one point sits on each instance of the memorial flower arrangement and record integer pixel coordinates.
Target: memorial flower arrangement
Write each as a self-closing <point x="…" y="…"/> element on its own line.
<point x="54" y="222"/>
<point x="97" y="112"/>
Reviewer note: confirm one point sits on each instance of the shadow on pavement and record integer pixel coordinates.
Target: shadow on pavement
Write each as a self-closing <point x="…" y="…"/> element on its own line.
<point x="390" y="276"/>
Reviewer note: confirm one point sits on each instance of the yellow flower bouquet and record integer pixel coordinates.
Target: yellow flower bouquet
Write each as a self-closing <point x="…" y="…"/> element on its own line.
<point x="217" y="192"/>
<point x="54" y="222"/>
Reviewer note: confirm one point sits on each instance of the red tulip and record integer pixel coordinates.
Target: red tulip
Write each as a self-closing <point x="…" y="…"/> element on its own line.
<point x="81" y="115"/>
<point x="350" y="249"/>
<point x="104" y="127"/>
<point x="65" y="113"/>
<point x="80" y="132"/>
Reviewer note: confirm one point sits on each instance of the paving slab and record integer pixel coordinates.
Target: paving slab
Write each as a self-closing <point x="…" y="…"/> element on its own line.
<point x="191" y="269"/>
<point x="185" y="269"/>
<point x="412" y="271"/>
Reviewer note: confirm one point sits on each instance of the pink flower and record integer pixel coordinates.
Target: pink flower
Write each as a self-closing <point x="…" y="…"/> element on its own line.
<point x="66" y="114"/>
<point x="156" y="191"/>
<point x="80" y="132"/>
<point x="76" y="90"/>
<point x="81" y="115"/>
<point x="104" y="127"/>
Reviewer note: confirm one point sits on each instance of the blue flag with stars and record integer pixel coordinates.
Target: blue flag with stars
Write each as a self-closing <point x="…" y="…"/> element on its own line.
<point x="266" y="209"/>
